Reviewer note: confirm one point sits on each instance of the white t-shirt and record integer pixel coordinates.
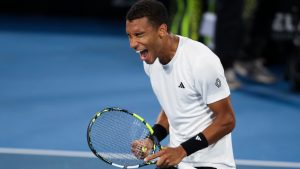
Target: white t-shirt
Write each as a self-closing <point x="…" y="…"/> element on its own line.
<point x="191" y="80"/>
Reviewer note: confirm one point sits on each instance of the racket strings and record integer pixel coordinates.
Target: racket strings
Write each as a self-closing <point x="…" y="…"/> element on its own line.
<point x="111" y="130"/>
<point x="112" y="137"/>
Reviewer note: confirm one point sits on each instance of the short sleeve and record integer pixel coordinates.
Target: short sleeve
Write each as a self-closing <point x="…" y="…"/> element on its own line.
<point x="211" y="82"/>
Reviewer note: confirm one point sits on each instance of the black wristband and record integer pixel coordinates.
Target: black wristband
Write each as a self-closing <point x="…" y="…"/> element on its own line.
<point x="194" y="144"/>
<point x="159" y="132"/>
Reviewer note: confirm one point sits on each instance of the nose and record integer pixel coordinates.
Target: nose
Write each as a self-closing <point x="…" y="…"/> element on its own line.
<point x="133" y="43"/>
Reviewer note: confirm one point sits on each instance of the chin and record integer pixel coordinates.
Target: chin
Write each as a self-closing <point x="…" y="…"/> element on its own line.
<point x="149" y="62"/>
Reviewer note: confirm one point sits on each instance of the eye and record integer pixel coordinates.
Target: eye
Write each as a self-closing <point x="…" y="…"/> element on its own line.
<point x="139" y="35"/>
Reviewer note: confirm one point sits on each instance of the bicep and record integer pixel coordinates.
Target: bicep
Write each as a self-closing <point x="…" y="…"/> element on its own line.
<point x="223" y="120"/>
<point x="222" y="107"/>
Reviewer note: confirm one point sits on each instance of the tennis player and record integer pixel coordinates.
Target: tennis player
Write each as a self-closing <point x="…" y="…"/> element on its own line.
<point x="188" y="81"/>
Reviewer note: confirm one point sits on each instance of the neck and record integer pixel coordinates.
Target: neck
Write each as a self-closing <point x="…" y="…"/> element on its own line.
<point x="169" y="49"/>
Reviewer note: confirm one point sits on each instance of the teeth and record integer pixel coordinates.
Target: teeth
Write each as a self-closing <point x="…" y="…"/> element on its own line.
<point x="140" y="51"/>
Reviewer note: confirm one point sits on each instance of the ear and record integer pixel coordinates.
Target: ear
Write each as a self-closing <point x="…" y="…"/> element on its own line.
<point x="163" y="30"/>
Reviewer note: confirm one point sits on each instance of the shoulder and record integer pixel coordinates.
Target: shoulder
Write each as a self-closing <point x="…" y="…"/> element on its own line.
<point x="199" y="55"/>
<point x="192" y="45"/>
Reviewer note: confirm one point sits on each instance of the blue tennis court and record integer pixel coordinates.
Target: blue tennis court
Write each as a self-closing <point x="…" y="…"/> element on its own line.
<point x="55" y="74"/>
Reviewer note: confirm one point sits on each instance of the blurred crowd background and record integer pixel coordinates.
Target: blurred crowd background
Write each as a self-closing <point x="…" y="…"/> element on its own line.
<point x="257" y="40"/>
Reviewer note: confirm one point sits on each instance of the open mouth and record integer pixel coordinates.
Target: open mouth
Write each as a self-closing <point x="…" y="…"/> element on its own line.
<point x="143" y="54"/>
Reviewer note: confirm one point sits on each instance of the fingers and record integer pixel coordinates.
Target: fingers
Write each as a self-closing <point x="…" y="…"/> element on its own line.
<point x="162" y="159"/>
<point x="166" y="158"/>
<point x="153" y="156"/>
<point x="163" y="162"/>
<point x="141" y="148"/>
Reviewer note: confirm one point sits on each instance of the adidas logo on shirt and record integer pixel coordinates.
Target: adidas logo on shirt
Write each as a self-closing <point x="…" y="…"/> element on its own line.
<point x="181" y="85"/>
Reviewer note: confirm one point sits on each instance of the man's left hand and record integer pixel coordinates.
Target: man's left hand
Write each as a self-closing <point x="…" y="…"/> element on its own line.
<point x="168" y="157"/>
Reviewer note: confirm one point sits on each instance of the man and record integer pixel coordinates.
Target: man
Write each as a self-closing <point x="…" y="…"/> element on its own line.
<point x="188" y="80"/>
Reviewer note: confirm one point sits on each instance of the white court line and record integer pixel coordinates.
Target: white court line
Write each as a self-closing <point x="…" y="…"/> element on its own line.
<point x="268" y="163"/>
<point x="47" y="152"/>
<point x="85" y="154"/>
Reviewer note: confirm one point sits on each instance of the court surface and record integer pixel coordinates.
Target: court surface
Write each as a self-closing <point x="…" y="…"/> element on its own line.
<point x="54" y="75"/>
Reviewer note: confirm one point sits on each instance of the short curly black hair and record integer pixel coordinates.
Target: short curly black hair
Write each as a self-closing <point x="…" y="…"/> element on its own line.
<point x="154" y="10"/>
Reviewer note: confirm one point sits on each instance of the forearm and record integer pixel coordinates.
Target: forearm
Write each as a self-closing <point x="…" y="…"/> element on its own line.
<point x="210" y="135"/>
<point x="222" y="124"/>
<point x="161" y="127"/>
<point x="220" y="127"/>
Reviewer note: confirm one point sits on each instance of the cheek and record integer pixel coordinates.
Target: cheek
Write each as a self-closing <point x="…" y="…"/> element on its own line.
<point x="152" y="43"/>
<point x="157" y="45"/>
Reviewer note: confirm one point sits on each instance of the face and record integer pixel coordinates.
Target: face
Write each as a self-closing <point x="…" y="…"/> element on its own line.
<point x="144" y="38"/>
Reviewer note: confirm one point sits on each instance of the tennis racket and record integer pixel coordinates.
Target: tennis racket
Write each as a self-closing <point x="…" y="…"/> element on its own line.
<point x="121" y="138"/>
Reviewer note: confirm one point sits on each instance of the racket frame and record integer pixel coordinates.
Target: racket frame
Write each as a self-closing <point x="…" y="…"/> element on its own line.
<point x="156" y="144"/>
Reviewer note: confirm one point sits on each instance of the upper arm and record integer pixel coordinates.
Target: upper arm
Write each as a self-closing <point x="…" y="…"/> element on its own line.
<point x="223" y="120"/>
<point x="223" y="110"/>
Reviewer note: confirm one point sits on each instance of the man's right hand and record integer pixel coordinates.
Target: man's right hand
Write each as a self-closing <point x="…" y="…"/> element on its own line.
<point x="142" y="148"/>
